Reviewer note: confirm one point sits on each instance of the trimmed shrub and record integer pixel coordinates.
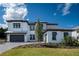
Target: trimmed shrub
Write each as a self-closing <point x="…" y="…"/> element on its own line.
<point x="70" y="41"/>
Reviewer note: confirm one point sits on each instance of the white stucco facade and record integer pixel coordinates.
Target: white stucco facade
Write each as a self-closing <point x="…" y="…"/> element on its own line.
<point x="24" y="26"/>
<point x="47" y="36"/>
<point x="59" y="37"/>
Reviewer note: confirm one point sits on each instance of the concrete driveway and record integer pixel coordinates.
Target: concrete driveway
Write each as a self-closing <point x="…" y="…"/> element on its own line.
<point x="7" y="46"/>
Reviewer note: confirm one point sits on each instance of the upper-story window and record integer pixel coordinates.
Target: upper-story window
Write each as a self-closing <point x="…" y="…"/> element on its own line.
<point x="16" y="25"/>
<point x="54" y="35"/>
<point x="32" y="27"/>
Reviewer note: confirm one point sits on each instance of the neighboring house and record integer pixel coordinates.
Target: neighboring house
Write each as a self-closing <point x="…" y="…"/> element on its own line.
<point x="24" y="31"/>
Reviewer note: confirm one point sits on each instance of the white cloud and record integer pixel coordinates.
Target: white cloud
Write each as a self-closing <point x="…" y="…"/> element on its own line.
<point x="14" y="11"/>
<point x="66" y="9"/>
<point x="4" y="26"/>
<point x="59" y="7"/>
<point x="63" y="9"/>
<point x="27" y="19"/>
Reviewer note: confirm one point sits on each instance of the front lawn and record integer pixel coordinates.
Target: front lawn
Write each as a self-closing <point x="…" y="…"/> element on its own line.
<point x="20" y="51"/>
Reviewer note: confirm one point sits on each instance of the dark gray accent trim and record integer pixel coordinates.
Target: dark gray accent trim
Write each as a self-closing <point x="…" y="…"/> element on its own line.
<point x="70" y="30"/>
<point x="31" y="23"/>
<point x="17" y="21"/>
<point x="60" y="29"/>
<point x="51" y="24"/>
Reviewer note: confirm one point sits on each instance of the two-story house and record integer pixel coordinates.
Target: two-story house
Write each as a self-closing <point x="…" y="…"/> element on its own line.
<point x="24" y="31"/>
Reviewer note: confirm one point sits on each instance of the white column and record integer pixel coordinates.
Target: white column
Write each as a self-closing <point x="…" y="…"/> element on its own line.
<point x="8" y="37"/>
<point x="25" y="38"/>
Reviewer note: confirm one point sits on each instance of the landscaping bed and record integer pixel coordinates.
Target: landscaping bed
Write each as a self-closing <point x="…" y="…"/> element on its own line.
<point x="32" y="46"/>
<point x="47" y="46"/>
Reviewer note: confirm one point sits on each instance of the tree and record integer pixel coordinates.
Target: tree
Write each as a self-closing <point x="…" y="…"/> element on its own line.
<point x="39" y="31"/>
<point x="2" y="33"/>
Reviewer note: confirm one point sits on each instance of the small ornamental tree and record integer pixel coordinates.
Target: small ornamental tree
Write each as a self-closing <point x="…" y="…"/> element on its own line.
<point x="39" y="31"/>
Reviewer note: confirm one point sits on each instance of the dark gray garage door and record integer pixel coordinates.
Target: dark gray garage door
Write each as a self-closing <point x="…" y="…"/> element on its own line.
<point x="16" y="38"/>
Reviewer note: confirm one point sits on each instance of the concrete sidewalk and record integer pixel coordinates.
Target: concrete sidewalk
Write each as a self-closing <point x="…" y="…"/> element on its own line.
<point x="7" y="46"/>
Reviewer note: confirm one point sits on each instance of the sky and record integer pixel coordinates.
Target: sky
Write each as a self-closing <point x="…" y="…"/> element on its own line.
<point x="66" y="15"/>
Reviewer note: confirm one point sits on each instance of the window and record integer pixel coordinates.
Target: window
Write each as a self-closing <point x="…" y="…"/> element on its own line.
<point x="32" y="37"/>
<point x="66" y="34"/>
<point x="16" y="25"/>
<point x="32" y="27"/>
<point x="54" y="35"/>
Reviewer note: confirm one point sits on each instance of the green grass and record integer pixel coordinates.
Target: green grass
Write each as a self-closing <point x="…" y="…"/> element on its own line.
<point x="41" y="52"/>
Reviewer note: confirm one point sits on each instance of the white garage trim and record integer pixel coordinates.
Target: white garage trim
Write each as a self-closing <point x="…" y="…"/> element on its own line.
<point x="8" y="37"/>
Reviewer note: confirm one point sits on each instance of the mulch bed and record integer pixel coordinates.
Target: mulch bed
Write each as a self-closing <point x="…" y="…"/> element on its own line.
<point x="46" y="46"/>
<point x="33" y="46"/>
